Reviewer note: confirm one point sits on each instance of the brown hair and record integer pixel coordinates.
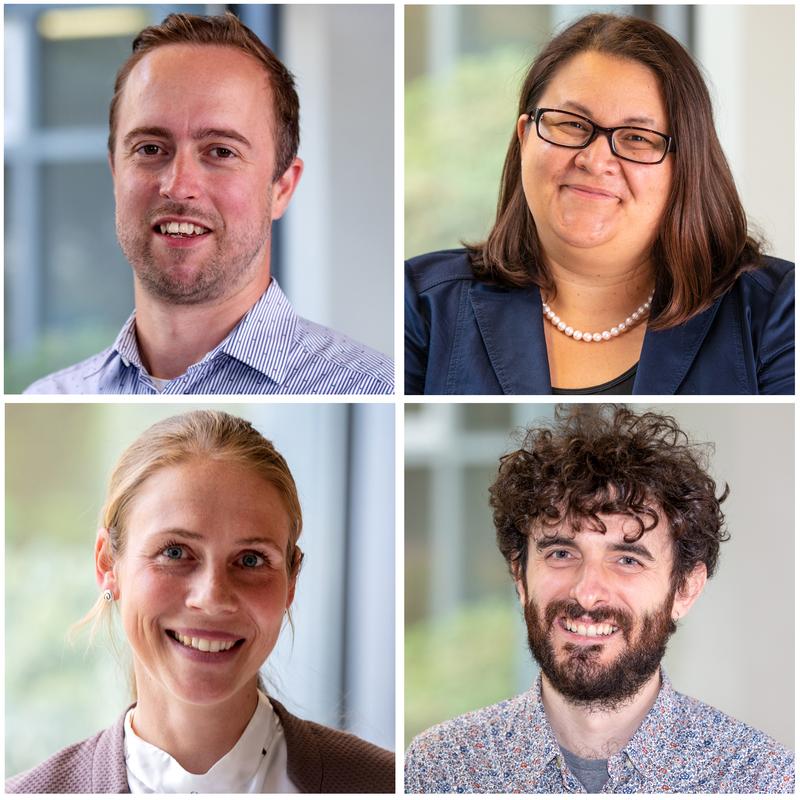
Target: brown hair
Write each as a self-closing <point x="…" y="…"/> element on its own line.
<point x="227" y="31"/>
<point x="702" y="244"/>
<point x="605" y="459"/>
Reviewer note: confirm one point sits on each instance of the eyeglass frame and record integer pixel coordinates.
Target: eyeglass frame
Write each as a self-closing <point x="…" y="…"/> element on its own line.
<point x="537" y="113"/>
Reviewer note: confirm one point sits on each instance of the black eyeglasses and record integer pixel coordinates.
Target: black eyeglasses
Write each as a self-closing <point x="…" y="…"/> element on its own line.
<point x="641" y="145"/>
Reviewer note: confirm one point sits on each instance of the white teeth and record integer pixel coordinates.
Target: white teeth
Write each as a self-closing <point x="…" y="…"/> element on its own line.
<point x="592" y="630"/>
<point x="186" y="228"/>
<point x="204" y="645"/>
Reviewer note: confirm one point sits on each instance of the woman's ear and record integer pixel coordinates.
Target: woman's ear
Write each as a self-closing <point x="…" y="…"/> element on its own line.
<point x="104" y="563"/>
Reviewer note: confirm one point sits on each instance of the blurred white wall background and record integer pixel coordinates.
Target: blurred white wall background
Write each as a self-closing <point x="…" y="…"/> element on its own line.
<point x="337" y="669"/>
<point x="735" y="649"/>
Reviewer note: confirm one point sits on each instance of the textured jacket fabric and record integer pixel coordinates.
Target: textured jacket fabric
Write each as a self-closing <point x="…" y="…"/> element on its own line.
<point x="468" y="337"/>
<point x="320" y="760"/>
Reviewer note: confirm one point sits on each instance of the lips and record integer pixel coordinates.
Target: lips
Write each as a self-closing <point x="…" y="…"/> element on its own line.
<point x="207" y="642"/>
<point x="591" y="192"/>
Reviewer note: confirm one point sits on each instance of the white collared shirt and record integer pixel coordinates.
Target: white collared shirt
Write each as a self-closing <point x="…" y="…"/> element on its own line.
<point x="255" y="764"/>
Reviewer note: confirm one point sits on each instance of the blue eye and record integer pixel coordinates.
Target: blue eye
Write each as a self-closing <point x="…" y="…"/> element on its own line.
<point x="252" y="560"/>
<point x="173" y="552"/>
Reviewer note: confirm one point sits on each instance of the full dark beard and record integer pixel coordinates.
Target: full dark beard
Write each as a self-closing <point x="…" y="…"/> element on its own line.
<point x="579" y="674"/>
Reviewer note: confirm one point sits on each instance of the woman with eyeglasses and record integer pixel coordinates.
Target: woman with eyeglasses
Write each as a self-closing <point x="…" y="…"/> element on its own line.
<point x="619" y="261"/>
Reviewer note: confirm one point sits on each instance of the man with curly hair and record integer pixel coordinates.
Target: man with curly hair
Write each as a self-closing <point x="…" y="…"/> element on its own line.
<point x="610" y="525"/>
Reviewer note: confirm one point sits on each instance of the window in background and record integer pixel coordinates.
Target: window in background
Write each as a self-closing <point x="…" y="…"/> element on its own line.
<point x="458" y="594"/>
<point x="68" y="286"/>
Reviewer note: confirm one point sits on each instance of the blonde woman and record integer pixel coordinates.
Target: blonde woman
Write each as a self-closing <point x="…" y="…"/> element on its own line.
<point x="198" y="554"/>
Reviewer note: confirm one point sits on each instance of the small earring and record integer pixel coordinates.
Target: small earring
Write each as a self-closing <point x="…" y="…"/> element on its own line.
<point x="108" y="595"/>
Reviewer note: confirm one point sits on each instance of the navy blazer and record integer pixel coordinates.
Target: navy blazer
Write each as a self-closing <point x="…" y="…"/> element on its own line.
<point x="468" y="337"/>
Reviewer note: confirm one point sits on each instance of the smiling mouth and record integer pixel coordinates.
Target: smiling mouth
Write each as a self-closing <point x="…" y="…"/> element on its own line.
<point x="594" y="630"/>
<point x="181" y="230"/>
<point x="205" y="645"/>
<point x="588" y="191"/>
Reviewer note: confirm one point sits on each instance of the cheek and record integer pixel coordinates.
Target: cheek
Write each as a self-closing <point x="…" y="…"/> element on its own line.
<point x="651" y="190"/>
<point x="241" y="197"/>
<point x="147" y="596"/>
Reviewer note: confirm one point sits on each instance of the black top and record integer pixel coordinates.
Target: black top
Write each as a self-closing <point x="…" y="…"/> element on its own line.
<point x="622" y="384"/>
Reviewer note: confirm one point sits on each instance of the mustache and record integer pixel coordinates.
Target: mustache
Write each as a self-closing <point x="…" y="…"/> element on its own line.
<point x="573" y="610"/>
<point x="182" y="210"/>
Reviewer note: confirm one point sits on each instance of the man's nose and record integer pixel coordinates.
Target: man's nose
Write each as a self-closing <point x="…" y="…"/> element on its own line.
<point x="181" y="178"/>
<point x="212" y="591"/>
<point x="590" y="588"/>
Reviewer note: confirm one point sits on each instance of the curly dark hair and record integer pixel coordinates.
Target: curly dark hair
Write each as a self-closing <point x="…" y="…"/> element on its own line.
<point x="606" y="459"/>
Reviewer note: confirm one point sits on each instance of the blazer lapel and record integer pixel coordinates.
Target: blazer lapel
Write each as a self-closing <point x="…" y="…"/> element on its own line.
<point x="510" y="323"/>
<point x="667" y="355"/>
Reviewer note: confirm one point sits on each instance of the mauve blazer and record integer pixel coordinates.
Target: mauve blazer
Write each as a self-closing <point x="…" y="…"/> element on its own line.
<point x="468" y="337"/>
<point x="320" y="760"/>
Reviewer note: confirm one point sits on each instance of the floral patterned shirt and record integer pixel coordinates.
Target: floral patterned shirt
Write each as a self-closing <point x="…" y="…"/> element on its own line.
<point x="682" y="745"/>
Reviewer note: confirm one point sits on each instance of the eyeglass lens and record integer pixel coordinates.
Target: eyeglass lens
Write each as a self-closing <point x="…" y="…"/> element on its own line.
<point x="570" y="130"/>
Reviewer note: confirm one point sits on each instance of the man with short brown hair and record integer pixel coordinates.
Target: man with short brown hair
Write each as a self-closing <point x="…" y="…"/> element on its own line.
<point x="204" y="131"/>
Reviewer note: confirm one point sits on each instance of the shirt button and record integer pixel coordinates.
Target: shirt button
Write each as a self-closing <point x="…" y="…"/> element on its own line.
<point x="125" y="361"/>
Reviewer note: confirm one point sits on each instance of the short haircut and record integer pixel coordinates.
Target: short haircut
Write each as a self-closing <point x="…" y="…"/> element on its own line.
<point x="226" y="31"/>
<point x="702" y="244"/>
<point x="605" y="459"/>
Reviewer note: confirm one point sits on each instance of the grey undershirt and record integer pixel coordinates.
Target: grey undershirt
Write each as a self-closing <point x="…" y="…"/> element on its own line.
<point x="591" y="772"/>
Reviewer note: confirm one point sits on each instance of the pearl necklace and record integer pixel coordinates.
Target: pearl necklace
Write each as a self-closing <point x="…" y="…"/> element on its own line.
<point x="604" y="336"/>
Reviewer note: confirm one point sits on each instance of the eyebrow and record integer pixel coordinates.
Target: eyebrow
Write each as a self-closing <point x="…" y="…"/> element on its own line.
<point x="619" y="547"/>
<point x="187" y="534"/>
<point x="636" y="120"/>
<point x="197" y="136"/>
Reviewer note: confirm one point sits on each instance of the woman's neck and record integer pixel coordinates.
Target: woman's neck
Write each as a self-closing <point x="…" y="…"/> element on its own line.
<point x="196" y="736"/>
<point x="599" y="298"/>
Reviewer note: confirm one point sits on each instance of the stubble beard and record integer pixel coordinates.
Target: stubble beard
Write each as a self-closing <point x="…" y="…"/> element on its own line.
<point x="578" y="672"/>
<point x="232" y="263"/>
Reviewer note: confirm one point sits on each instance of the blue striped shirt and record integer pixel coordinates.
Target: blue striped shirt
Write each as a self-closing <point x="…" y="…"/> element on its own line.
<point x="271" y="351"/>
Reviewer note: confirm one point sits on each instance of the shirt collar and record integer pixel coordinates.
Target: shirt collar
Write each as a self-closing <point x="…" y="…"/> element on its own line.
<point x="646" y="748"/>
<point x="233" y="773"/>
<point x="641" y="752"/>
<point x="263" y="339"/>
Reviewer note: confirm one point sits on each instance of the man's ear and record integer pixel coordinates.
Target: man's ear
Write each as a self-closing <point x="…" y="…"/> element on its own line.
<point x="691" y="588"/>
<point x="104" y="562"/>
<point x="283" y="188"/>
<point x="111" y="165"/>
<point x="519" y="582"/>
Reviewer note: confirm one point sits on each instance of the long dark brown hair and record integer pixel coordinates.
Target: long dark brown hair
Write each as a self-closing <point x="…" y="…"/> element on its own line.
<point x="702" y="244"/>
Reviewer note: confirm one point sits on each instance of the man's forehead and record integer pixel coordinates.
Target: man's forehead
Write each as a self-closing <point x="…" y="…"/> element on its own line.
<point x="218" y="73"/>
<point x="183" y="88"/>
